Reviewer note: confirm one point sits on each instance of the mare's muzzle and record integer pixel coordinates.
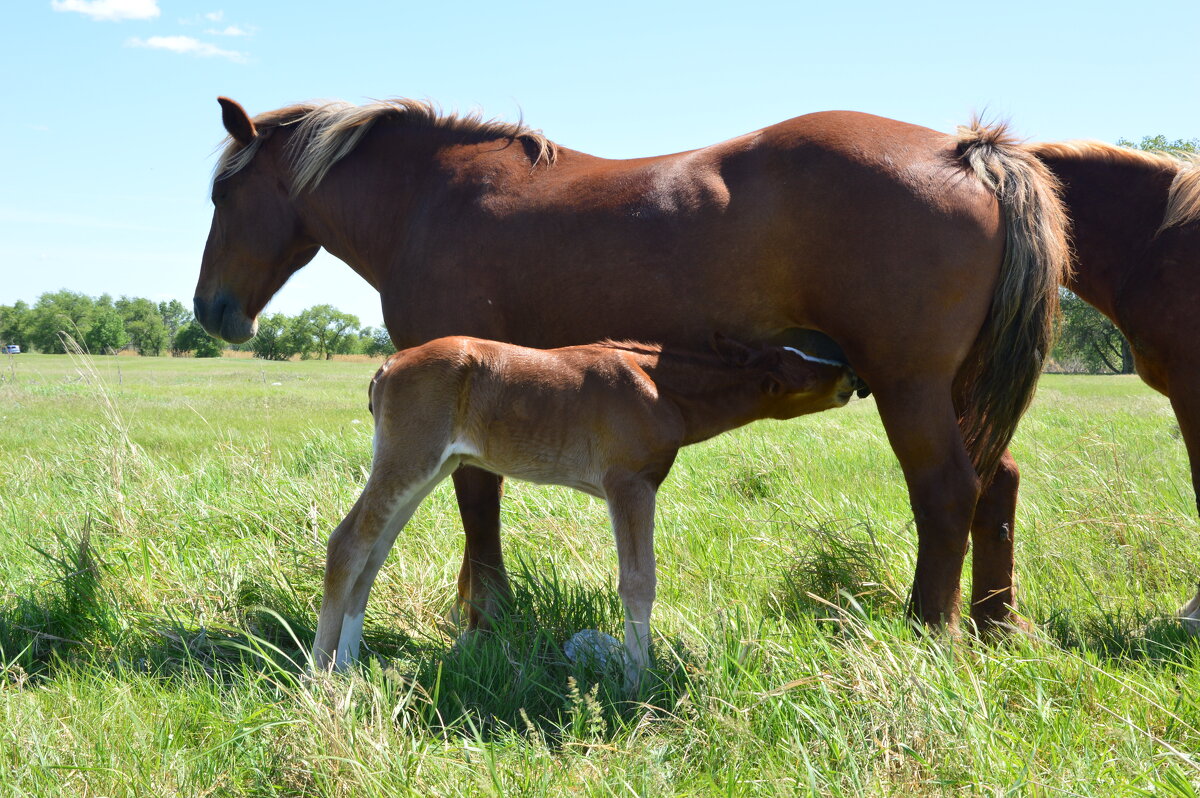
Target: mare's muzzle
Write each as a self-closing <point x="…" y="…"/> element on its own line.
<point x="223" y="318"/>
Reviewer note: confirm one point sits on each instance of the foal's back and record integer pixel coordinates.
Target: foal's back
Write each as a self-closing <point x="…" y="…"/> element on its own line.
<point x="568" y="416"/>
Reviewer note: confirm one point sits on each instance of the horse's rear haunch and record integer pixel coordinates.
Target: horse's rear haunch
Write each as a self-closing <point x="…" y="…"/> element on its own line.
<point x="607" y="419"/>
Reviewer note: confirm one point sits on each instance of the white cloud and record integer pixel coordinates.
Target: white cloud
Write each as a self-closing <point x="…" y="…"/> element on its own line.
<point x="215" y="16"/>
<point x="186" y="45"/>
<point x="231" y="30"/>
<point x="110" y="10"/>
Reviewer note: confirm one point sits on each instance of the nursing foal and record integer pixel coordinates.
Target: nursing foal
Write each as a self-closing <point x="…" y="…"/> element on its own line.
<point x="606" y="419"/>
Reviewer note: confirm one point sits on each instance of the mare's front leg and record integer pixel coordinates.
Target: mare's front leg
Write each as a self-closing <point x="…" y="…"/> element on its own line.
<point x="923" y="429"/>
<point x="1185" y="401"/>
<point x="483" y="586"/>
<point x="993" y="529"/>
<point x="631" y="508"/>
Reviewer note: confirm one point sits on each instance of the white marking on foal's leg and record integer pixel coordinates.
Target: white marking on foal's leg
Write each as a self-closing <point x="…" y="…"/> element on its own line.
<point x="812" y="358"/>
<point x="348" y="642"/>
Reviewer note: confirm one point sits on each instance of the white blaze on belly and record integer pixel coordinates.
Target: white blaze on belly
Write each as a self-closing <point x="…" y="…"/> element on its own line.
<point x="347" y="647"/>
<point x="812" y="359"/>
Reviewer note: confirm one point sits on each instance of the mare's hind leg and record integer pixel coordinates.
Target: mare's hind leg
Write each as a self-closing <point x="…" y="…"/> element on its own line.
<point x="923" y="429"/>
<point x="992" y="560"/>
<point x="357" y="549"/>
<point x="631" y="508"/>
<point x="483" y="587"/>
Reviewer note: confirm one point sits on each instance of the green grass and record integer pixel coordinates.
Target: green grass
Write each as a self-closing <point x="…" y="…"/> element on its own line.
<point x="162" y="527"/>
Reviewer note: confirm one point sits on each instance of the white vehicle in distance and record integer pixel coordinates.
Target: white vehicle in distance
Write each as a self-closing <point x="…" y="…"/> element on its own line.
<point x="12" y="349"/>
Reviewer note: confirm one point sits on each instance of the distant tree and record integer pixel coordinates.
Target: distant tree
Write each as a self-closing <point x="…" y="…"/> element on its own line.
<point x="15" y="324"/>
<point x="192" y="338"/>
<point x="106" y="335"/>
<point x="174" y="315"/>
<point x="276" y="338"/>
<point x="1159" y="143"/>
<point x="325" y="330"/>
<point x="375" y="341"/>
<point x="143" y="324"/>
<point x="60" y="311"/>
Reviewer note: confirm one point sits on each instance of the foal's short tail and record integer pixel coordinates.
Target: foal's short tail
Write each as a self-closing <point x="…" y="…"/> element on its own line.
<point x="997" y="382"/>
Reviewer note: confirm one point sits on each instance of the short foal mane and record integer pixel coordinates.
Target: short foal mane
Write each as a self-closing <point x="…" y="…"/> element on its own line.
<point x="327" y="132"/>
<point x="1183" y="197"/>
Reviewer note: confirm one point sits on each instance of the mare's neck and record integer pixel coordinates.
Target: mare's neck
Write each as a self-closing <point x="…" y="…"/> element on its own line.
<point x="375" y="207"/>
<point x="712" y="396"/>
<point x="361" y="211"/>
<point x="1115" y="205"/>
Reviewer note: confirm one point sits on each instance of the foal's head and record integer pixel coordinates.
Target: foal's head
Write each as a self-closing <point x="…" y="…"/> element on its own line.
<point x="792" y="382"/>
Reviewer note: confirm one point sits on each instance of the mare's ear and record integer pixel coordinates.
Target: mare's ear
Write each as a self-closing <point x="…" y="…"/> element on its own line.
<point x="735" y="353"/>
<point x="237" y="121"/>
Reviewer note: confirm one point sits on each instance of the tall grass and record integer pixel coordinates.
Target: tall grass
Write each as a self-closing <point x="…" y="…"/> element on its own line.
<point x="160" y="566"/>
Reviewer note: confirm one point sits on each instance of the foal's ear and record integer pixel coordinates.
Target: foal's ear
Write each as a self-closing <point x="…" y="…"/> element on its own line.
<point x="772" y="385"/>
<point x="237" y="121"/>
<point x="735" y="353"/>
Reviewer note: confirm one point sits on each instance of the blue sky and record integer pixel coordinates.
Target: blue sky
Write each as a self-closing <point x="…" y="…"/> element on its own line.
<point x="110" y="119"/>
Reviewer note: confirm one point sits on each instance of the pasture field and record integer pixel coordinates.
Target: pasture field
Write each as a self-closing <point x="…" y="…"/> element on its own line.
<point x="162" y="528"/>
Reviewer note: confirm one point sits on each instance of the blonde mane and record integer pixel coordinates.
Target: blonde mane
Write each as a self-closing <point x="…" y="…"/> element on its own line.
<point x="1183" y="197"/>
<point x="327" y="132"/>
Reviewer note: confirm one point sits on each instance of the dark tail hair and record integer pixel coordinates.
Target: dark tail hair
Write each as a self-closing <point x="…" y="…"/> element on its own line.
<point x="997" y="381"/>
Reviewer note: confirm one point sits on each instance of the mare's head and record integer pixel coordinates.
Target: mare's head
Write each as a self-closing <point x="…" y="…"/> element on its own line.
<point x="793" y="383"/>
<point x="257" y="240"/>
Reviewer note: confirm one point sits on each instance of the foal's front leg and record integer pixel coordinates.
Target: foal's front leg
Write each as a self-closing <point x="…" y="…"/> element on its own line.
<point x="357" y="550"/>
<point x="631" y="508"/>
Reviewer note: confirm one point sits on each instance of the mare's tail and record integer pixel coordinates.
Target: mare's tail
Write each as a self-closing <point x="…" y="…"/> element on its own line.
<point x="997" y="381"/>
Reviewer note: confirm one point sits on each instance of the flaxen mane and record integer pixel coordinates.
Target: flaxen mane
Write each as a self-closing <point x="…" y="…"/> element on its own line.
<point x="326" y="133"/>
<point x="1183" y="198"/>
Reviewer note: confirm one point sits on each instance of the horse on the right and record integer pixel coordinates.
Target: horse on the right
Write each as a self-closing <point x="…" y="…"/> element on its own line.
<point x="1135" y="223"/>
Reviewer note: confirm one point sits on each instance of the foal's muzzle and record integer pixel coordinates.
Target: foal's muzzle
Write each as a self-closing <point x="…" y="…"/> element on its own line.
<point x="861" y="388"/>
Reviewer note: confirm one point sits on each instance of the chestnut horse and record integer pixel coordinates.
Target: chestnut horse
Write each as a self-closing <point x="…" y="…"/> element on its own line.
<point x="931" y="261"/>
<point x="1135" y="218"/>
<point x="607" y="419"/>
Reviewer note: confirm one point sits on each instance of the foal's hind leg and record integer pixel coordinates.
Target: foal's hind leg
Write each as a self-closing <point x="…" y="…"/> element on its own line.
<point x="943" y="487"/>
<point x="483" y="587"/>
<point x="631" y="508"/>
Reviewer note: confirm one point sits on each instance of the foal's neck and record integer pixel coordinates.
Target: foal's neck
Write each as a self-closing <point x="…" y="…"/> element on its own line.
<point x="712" y="395"/>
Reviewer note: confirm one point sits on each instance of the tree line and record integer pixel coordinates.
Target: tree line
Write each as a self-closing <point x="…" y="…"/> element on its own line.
<point x="103" y="325"/>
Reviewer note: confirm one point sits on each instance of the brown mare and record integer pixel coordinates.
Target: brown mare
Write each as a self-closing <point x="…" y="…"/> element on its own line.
<point x="932" y="261"/>
<point x="607" y="419"/>
<point x="1135" y="220"/>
